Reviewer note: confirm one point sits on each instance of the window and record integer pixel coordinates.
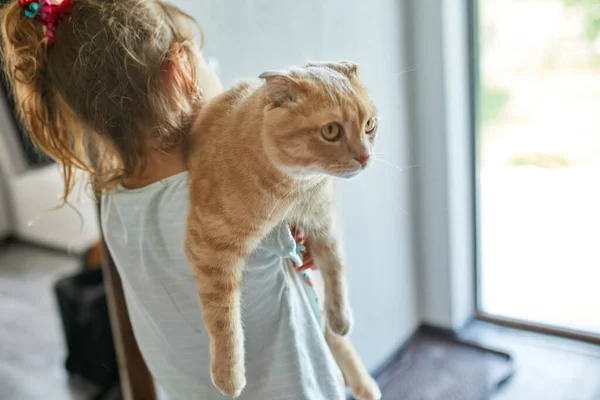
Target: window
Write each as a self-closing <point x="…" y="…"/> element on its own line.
<point x="537" y="148"/>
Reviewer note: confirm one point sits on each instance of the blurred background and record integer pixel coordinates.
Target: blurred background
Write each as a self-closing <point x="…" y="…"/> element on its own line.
<point x="475" y="274"/>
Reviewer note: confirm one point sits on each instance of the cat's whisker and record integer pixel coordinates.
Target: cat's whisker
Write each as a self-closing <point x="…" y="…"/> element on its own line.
<point x="394" y="165"/>
<point x="403" y="72"/>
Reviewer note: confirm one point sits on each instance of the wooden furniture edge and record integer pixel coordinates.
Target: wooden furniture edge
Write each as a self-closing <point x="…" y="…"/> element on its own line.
<point x="136" y="381"/>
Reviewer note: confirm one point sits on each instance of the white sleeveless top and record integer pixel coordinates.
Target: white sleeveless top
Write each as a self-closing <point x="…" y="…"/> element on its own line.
<point x="286" y="353"/>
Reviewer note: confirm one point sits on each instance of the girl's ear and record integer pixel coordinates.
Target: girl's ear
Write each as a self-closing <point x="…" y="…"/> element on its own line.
<point x="179" y="72"/>
<point x="208" y="79"/>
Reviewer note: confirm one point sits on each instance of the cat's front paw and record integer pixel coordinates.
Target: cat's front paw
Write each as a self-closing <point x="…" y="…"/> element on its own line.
<point x="366" y="389"/>
<point x="228" y="374"/>
<point x="339" y="320"/>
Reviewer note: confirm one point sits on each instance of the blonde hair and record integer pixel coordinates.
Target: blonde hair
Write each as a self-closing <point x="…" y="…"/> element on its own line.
<point x="96" y="97"/>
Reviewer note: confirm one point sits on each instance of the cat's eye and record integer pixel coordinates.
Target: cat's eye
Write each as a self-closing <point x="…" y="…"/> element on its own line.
<point x="371" y="125"/>
<point x="331" y="132"/>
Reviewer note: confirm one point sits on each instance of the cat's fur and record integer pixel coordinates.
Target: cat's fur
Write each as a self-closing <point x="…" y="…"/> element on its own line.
<point x="258" y="158"/>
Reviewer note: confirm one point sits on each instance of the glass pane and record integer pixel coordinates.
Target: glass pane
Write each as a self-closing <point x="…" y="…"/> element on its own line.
<point x="539" y="161"/>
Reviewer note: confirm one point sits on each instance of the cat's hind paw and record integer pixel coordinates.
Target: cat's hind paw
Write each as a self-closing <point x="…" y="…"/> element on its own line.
<point x="229" y="380"/>
<point x="366" y="389"/>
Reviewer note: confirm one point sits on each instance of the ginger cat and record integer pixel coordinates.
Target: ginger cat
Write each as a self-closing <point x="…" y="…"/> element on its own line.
<point x="262" y="154"/>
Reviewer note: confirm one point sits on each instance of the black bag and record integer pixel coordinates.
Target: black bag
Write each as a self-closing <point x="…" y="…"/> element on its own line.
<point x="86" y="323"/>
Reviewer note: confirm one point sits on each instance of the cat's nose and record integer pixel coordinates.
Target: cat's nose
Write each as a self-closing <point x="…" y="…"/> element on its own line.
<point x="363" y="159"/>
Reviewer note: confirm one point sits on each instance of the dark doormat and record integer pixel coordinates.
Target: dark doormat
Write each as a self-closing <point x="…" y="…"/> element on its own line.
<point x="438" y="367"/>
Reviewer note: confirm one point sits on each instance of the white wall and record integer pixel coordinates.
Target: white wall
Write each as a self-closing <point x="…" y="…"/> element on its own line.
<point x="441" y="125"/>
<point x="253" y="36"/>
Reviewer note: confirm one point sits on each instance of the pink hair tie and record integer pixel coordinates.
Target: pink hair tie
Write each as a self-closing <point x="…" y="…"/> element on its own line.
<point x="47" y="12"/>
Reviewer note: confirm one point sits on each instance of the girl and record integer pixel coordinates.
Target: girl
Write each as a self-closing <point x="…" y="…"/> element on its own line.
<point x="110" y="87"/>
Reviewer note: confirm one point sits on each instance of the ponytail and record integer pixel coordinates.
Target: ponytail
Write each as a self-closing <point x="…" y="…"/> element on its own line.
<point x="95" y="97"/>
<point x="44" y="114"/>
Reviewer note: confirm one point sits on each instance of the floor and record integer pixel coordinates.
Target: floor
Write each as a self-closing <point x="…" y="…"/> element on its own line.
<point x="436" y="366"/>
<point x="546" y="368"/>
<point x="32" y="349"/>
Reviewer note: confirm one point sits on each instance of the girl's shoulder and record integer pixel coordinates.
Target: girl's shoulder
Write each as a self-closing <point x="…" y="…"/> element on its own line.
<point x="178" y="181"/>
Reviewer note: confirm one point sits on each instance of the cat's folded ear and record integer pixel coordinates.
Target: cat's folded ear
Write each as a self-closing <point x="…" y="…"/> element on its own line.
<point x="282" y="88"/>
<point x="347" y="68"/>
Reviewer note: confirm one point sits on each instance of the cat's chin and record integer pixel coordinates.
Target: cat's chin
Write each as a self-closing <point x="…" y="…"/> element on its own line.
<point x="347" y="174"/>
